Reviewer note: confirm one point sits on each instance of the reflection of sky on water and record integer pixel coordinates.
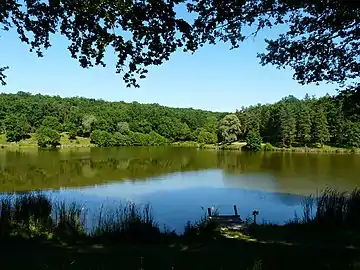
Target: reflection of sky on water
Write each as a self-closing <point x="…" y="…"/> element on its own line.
<point x="179" y="197"/>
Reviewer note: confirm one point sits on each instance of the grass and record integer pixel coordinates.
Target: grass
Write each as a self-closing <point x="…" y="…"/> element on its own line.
<point x="31" y="142"/>
<point x="265" y="147"/>
<point x="191" y="144"/>
<point x="78" y="142"/>
<point x="81" y="142"/>
<point x="43" y="234"/>
<point x="324" y="149"/>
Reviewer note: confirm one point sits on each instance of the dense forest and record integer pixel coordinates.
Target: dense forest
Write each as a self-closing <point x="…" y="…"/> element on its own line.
<point x="106" y="123"/>
<point x="289" y="122"/>
<point x="293" y="122"/>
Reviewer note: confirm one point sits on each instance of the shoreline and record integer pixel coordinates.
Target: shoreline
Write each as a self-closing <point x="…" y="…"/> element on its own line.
<point x="236" y="146"/>
<point x="84" y="143"/>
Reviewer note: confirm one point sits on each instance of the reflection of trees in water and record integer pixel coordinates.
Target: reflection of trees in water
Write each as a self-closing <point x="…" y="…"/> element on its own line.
<point x="23" y="171"/>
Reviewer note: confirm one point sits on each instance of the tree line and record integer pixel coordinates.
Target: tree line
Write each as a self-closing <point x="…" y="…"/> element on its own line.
<point x="304" y="122"/>
<point x="105" y="123"/>
<point x="289" y="122"/>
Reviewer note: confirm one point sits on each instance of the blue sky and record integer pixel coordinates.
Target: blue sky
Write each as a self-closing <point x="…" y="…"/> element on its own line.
<point x="214" y="78"/>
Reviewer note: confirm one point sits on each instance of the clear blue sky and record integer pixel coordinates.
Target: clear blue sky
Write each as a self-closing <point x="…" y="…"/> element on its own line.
<point x="214" y="78"/>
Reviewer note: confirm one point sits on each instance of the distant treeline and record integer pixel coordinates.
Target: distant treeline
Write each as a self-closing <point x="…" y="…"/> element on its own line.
<point x="293" y="122"/>
<point x="289" y="122"/>
<point x="106" y="123"/>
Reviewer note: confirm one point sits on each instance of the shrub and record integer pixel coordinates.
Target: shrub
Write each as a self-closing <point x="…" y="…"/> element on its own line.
<point x="47" y="136"/>
<point x="102" y="138"/>
<point x="253" y="141"/>
<point x="205" y="137"/>
<point x="268" y="147"/>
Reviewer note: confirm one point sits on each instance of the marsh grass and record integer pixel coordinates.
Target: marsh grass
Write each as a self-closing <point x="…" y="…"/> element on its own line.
<point x="36" y="215"/>
<point x="332" y="209"/>
<point x="127" y="221"/>
<point x="202" y="227"/>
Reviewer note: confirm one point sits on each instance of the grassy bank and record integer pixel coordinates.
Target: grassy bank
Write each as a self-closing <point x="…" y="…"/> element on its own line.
<point x="48" y="235"/>
<point x="324" y="149"/>
<point x="31" y="142"/>
<point x="81" y="142"/>
<point x="268" y="147"/>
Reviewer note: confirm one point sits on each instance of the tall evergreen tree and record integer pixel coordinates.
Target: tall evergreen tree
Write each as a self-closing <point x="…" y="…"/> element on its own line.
<point x="303" y="124"/>
<point x="287" y="125"/>
<point x="320" y="127"/>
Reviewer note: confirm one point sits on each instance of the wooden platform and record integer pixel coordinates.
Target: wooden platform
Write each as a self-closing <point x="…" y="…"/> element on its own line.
<point x="226" y="220"/>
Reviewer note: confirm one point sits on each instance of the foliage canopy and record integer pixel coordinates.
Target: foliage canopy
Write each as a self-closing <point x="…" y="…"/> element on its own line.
<point x="320" y="39"/>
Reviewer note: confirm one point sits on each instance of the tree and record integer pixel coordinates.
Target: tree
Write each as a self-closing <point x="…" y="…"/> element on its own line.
<point x="16" y="127"/>
<point x="206" y="137"/>
<point x="304" y="125"/>
<point x="51" y="122"/>
<point x="287" y="125"/>
<point x="320" y="128"/>
<point x="157" y="30"/>
<point x="102" y="124"/>
<point x="351" y="134"/>
<point x="71" y="129"/>
<point x="123" y="127"/>
<point x="102" y="138"/>
<point x="211" y="124"/>
<point x="142" y="126"/>
<point x="88" y="124"/>
<point x="253" y="141"/>
<point x="230" y="128"/>
<point x="47" y="136"/>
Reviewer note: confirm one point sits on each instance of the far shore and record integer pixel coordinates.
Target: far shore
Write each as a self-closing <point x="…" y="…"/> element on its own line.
<point x="80" y="142"/>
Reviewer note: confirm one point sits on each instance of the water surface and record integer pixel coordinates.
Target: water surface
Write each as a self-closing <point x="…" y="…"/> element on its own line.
<point x="179" y="182"/>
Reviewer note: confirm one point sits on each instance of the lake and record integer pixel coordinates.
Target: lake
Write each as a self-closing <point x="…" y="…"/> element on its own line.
<point x="180" y="182"/>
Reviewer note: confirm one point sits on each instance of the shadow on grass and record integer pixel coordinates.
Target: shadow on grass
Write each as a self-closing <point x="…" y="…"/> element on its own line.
<point x="39" y="235"/>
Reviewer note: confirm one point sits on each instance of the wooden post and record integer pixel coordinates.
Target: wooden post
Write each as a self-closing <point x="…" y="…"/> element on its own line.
<point x="209" y="212"/>
<point x="235" y="210"/>
<point x="255" y="213"/>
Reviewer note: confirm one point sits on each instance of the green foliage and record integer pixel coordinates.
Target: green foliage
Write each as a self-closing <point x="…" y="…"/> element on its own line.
<point x="141" y="126"/>
<point x="211" y="124"/>
<point x="207" y="24"/>
<point x="47" y="136"/>
<point x="106" y="139"/>
<point x="123" y="127"/>
<point x="51" y="122"/>
<point x="81" y="116"/>
<point x="88" y="124"/>
<point x="268" y="147"/>
<point x="285" y="122"/>
<point x="102" y="138"/>
<point x="287" y="126"/>
<point x="71" y="129"/>
<point x="229" y="128"/>
<point x="351" y="134"/>
<point x="320" y="127"/>
<point x="304" y="124"/>
<point x="102" y="124"/>
<point x="16" y="126"/>
<point x="253" y="141"/>
<point x="206" y="137"/>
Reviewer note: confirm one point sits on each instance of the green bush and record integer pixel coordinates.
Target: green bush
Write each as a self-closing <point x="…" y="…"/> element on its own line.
<point x="47" y="136"/>
<point x="102" y="138"/>
<point x="205" y="137"/>
<point x="253" y="141"/>
<point x="268" y="147"/>
<point x="17" y="127"/>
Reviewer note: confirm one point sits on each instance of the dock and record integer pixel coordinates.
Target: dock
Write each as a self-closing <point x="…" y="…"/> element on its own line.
<point x="228" y="221"/>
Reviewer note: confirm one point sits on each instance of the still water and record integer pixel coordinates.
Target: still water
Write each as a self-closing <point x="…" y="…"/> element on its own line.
<point x="179" y="182"/>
